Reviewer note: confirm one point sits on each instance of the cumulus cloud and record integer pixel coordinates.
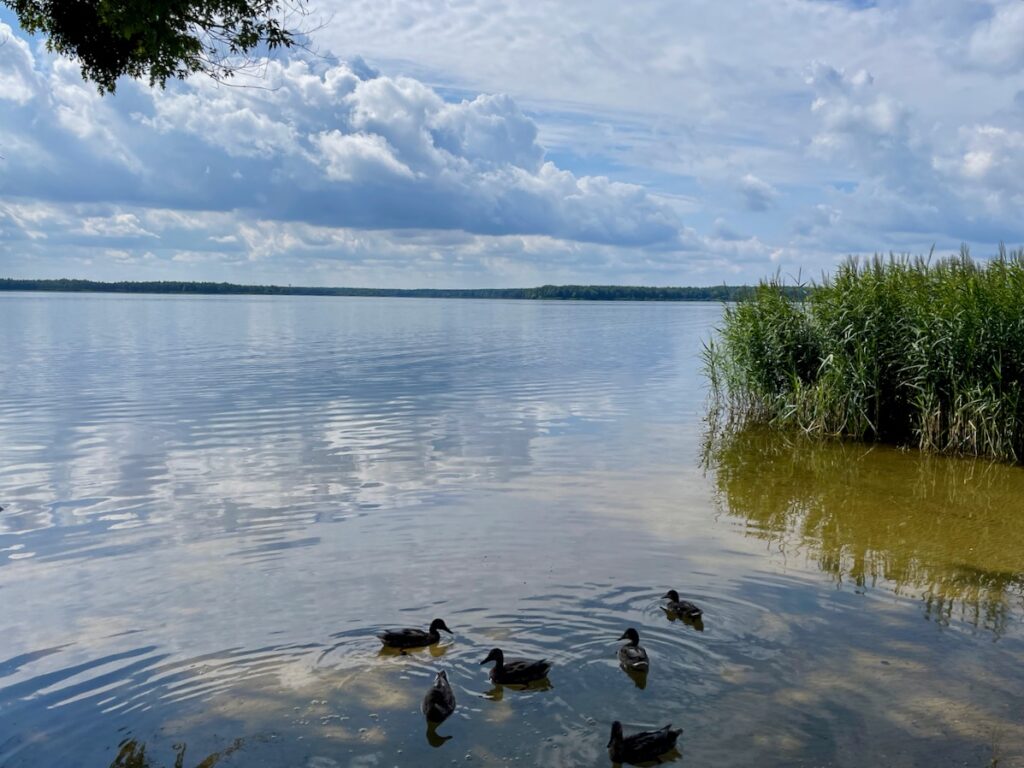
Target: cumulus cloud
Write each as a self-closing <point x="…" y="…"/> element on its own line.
<point x="892" y="180"/>
<point x="995" y="44"/>
<point x="359" y="157"/>
<point x="17" y="73"/>
<point x="758" y="195"/>
<point x="994" y="157"/>
<point x="856" y="121"/>
<point x="328" y="144"/>
<point x="619" y="124"/>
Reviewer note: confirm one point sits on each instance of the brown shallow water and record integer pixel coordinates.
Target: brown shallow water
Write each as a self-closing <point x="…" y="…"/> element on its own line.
<point x="211" y="504"/>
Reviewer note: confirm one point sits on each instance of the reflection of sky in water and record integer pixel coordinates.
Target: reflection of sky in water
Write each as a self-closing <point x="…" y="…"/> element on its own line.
<point x="210" y="503"/>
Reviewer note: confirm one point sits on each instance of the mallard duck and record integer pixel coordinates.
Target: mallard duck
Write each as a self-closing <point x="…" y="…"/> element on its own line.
<point x="439" y="702"/>
<point x="414" y="638"/>
<point x="681" y="607"/>
<point x="515" y="671"/>
<point x="641" y="747"/>
<point x="631" y="656"/>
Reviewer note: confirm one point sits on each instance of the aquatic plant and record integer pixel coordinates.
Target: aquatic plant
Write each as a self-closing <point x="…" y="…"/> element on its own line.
<point x="911" y="351"/>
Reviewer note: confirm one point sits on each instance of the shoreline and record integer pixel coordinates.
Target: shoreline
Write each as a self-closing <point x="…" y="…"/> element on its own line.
<point x="720" y="293"/>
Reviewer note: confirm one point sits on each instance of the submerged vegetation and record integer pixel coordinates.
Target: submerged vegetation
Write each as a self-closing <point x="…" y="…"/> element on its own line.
<point x="903" y="350"/>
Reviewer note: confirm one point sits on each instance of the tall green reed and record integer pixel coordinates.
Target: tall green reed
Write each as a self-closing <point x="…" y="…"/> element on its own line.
<point x="904" y="350"/>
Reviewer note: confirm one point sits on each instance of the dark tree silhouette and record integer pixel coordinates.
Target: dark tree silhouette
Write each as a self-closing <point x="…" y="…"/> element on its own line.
<point x="159" y="39"/>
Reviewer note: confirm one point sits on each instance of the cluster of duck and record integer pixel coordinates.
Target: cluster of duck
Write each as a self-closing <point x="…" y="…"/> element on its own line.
<point x="439" y="702"/>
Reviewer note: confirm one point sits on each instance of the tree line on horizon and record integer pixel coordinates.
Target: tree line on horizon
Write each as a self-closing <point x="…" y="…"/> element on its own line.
<point x="549" y="292"/>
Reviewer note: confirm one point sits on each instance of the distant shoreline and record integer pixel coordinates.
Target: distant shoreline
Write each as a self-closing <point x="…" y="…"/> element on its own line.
<point x="545" y="292"/>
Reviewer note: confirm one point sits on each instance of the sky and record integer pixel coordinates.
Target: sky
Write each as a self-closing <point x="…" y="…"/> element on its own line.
<point x="476" y="143"/>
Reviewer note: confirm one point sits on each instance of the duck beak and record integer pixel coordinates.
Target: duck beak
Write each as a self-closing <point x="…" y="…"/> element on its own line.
<point x="666" y="596"/>
<point x="623" y="637"/>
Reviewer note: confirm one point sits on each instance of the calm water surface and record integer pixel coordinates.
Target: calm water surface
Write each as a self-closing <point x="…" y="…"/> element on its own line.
<point x="211" y="504"/>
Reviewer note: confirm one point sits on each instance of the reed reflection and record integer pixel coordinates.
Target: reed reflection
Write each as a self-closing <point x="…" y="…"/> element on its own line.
<point x="132" y="754"/>
<point x="947" y="530"/>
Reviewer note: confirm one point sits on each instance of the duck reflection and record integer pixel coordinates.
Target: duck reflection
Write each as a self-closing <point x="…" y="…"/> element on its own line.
<point x="436" y="651"/>
<point x="696" y="622"/>
<point x="669" y="757"/>
<point x="639" y="678"/>
<point x="947" y="530"/>
<point x="497" y="691"/>
<point x="435" y="739"/>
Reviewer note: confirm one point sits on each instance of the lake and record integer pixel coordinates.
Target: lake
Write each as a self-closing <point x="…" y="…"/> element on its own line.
<point x="212" y="504"/>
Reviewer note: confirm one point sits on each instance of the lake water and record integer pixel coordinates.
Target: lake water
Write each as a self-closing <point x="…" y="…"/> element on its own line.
<point x="210" y="505"/>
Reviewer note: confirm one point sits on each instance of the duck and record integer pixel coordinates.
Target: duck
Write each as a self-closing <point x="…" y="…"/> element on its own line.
<point x="631" y="656"/>
<point x="681" y="607"/>
<point x="439" y="702"/>
<point x="516" y="671"/>
<point x="641" y="747"/>
<point x="414" y="638"/>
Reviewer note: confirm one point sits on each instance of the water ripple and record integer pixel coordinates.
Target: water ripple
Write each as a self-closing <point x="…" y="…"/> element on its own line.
<point x="210" y="506"/>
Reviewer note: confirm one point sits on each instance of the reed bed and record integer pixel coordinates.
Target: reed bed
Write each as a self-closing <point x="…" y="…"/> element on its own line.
<point x="906" y="350"/>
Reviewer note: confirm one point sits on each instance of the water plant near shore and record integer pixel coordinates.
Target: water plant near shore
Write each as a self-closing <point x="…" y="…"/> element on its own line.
<point x="912" y="351"/>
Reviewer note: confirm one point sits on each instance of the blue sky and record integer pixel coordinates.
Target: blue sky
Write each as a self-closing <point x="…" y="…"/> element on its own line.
<point x="494" y="144"/>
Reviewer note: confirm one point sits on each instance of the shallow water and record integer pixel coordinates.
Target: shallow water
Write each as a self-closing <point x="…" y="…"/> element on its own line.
<point x="211" y="504"/>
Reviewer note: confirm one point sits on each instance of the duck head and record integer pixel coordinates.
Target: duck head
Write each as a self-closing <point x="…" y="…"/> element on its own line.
<point x="496" y="656"/>
<point x="438" y="624"/>
<point x="616" y="737"/>
<point x="632" y="635"/>
<point x="671" y="595"/>
<point x="441" y="681"/>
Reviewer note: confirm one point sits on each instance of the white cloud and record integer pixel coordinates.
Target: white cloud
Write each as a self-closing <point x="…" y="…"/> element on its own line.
<point x="995" y="44"/>
<point x="994" y="156"/>
<point x="236" y="128"/>
<point x="654" y="142"/>
<point x="117" y="225"/>
<point x="359" y="157"/>
<point x="758" y="195"/>
<point x="18" y="78"/>
<point x="856" y="121"/>
<point x="326" y="144"/>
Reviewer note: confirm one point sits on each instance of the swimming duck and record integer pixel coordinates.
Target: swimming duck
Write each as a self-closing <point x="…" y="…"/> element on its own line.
<point x="516" y="671"/>
<point x="681" y="607"/>
<point x="631" y="656"/>
<point x="641" y="747"/>
<point x="439" y="702"/>
<point x="414" y="638"/>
